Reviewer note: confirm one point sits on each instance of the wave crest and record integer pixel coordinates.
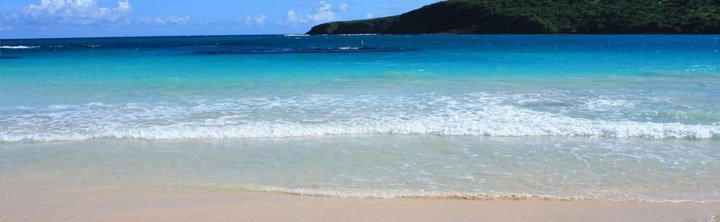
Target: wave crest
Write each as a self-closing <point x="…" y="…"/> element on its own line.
<point x="18" y="47"/>
<point x="440" y="127"/>
<point x="398" y="194"/>
<point x="323" y="116"/>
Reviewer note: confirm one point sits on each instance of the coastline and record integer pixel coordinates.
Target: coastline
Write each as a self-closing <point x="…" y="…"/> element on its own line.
<point x="193" y="204"/>
<point x="459" y="128"/>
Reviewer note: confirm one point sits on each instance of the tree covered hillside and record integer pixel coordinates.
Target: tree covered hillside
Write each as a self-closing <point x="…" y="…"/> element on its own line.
<point x="543" y="16"/>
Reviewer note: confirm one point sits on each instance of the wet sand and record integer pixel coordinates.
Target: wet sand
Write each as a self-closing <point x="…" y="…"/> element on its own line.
<point x="173" y="204"/>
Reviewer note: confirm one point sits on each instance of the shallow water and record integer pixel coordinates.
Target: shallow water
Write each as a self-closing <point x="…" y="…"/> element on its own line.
<point x="382" y="166"/>
<point x="611" y="117"/>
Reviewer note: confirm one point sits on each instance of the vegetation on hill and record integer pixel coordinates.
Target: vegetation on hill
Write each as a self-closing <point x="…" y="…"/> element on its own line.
<point x="543" y="16"/>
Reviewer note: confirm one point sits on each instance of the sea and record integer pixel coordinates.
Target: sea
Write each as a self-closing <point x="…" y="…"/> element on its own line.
<point x="557" y="117"/>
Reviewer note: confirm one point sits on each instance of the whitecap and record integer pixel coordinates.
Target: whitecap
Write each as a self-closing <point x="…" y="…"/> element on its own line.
<point x="18" y="47"/>
<point x="348" y="48"/>
<point x="296" y="35"/>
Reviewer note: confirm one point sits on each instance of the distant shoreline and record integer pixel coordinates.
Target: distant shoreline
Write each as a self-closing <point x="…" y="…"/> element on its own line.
<point x="547" y="17"/>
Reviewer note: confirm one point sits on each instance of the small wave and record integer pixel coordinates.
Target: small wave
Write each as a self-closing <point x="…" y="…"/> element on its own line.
<point x="439" y="127"/>
<point x="701" y="68"/>
<point x="422" y="194"/>
<point x="400" y="194"/>
<point x="344" y="49"/>
<point x="359" y="34"/>
<point x="372" y="193"/>
<point x="348" y="48"/>
<point x="18" y="47"/>
<point x="606" y="104"/>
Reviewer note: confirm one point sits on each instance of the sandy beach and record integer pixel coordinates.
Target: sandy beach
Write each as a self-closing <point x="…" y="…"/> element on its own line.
<point x="121" y="204"/>
<point x="263" y="126"/>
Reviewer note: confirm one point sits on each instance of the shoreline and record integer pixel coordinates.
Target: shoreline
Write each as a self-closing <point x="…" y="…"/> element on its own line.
<point x="193" y="204"/>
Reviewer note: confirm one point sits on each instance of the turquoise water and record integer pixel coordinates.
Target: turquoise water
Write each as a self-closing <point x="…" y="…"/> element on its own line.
<point x="567" y="116"/>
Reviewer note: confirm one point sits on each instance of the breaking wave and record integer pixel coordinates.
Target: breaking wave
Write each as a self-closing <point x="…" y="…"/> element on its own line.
<point x="431" y="126"/>
<point x="323" y="116"/>
<point x="397" y="194"/>
<point x="459" y="195"/>
<point x="18" y="47"/>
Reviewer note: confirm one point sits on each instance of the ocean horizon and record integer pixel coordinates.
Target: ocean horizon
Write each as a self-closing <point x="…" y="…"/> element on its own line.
<point x="561" y="117"/>
<point x="358" y="34"/>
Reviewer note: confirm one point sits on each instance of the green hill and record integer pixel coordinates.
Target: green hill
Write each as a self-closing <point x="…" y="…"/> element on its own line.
<point x="543" y="16"/>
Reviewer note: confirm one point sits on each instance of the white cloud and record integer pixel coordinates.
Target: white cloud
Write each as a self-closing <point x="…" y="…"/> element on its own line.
<point x="293" y="18"/>
<point x="322" y="12"/>
<point x="343" y="7"/>
<point x="172" y="20"/>
<point x="369" y="15"/>
<point x="178" y="20"/>
<point x="258" y="21"/>
<point x="77" y="12"/>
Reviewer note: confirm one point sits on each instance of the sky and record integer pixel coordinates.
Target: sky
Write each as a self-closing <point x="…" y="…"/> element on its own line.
<point x="100" y="18"/>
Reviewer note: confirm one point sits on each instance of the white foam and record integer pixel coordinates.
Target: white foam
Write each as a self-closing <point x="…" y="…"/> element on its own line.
<point x="396" y="194"/>
<point x="444" y="126"/>
<point x="359" y="34"/>
<point x="476" y="115"/>
<point x="18" y="47"/>
<point x="701" y="68"/>
<point x="607" y="104"/>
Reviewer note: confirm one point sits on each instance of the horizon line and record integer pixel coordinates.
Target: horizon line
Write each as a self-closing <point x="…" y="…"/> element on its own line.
<point x="359" y="34"/>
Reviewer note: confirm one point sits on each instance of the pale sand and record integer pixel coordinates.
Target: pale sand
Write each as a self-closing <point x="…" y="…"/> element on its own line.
<point x="228" y="205"/>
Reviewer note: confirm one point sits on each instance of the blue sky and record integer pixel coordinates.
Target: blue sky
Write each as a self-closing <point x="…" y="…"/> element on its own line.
<point x="88" y="18"/>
